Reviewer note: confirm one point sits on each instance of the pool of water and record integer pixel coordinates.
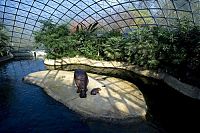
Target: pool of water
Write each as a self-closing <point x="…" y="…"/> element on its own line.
<point x="26" y="108"/>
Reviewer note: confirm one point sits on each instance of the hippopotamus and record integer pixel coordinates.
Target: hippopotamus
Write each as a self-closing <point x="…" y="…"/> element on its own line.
<point x="81" y="81"/>
<point x="94" y="91"/>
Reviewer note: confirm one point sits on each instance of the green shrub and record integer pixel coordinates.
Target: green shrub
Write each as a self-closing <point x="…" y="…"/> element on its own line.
<point x="149" y="47"/>
<point x="188" y="40"/>
<point x="55" y="39"/>
<point x="142" y="48"/>
<point x="4" y="40"/>
<point x="113" y="49"/>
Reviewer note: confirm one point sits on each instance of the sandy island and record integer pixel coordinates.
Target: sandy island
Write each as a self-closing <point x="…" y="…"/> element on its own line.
<point x="117" y="100"/>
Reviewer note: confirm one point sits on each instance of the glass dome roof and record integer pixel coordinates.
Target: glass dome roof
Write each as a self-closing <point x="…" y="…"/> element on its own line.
<point x="22" y="17"/>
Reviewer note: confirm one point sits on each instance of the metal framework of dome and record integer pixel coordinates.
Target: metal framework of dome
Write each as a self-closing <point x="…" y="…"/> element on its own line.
<point x="21" y="17"/>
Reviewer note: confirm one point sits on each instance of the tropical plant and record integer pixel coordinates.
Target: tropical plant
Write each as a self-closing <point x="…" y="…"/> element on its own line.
<point x="87" y="41"/>
<point x="150" y="47"/>
<point x="188" y="40"/>
<point x="4" y="40"/>
<point x="113" y="48"/>
<point x="84" y="33"/>
<point x="55" y="39"/>
<point x="142" y="48"/>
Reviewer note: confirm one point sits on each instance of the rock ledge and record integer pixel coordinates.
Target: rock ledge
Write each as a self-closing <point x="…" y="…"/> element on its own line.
<point x="118" y="99"/>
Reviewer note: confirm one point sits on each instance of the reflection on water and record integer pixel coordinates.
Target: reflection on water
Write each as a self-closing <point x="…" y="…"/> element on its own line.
<point x="26" y="108"/>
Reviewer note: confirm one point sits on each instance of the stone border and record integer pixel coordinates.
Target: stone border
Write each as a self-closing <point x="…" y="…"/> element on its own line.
<point x="5" y="58"/>
<point x="186" y="89"/>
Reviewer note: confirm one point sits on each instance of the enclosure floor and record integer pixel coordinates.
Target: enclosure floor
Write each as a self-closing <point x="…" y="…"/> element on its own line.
<point x="118" y="99"/>
<point x="186" y="89"/>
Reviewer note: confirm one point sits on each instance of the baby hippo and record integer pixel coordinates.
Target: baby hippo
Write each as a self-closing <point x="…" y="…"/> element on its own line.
<point x="81" y="81"/>
<point x="94" y="91"/>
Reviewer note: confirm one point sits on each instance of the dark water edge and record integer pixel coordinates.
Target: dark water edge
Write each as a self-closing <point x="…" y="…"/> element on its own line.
<point x="168" y="109"/>
<point x="27" y="108"/>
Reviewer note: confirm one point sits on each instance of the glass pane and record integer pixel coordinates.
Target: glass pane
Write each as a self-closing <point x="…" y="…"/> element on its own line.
<point x="125" y="14"/>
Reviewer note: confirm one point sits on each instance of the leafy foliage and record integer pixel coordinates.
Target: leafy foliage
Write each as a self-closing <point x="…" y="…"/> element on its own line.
<point x="54" y="38"/>
<point x="111" y="46"/>
<point x="143" y="48"/>
<point x="59" y="42"/>
<point x="150" y="47"/>
<point x="87" y="40"/>
<point x="84" y="33"/>
<point x="4" y="40"/>
<point x="188" y="40"/>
